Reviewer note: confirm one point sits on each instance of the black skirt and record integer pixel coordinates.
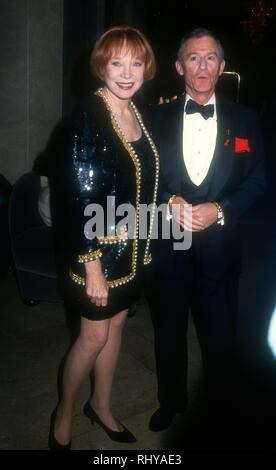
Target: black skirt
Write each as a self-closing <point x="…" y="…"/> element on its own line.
<point x="119" y="298"/>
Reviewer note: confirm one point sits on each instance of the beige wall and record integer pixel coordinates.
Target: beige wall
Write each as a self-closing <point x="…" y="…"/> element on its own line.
<point x="31" y="34"/>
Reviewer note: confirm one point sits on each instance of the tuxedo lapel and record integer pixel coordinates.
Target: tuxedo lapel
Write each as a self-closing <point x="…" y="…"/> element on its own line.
<point x="223" y="155"/>
<point x="171" y="147"/>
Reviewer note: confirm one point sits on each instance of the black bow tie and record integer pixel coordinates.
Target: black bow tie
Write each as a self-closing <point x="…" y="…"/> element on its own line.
<point x="205" y="111"/>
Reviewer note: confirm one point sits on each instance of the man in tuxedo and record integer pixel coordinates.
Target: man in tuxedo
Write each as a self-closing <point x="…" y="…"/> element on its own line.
<point x="211" y="158"/>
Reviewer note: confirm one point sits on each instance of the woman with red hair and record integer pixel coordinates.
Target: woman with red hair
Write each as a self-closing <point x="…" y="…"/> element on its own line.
<point x="108" y="155"/>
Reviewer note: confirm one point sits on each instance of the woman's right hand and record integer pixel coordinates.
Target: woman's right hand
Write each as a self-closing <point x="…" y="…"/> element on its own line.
<point x="96" y="284"/>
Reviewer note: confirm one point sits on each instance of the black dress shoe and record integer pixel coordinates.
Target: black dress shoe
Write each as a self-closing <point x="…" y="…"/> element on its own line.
<point x="161" y="419"/>
<point x="53" y="444"/>
<point x="123" y="436"/>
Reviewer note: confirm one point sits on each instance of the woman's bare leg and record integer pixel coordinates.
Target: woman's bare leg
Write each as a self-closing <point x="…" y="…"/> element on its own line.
<point x="104" y="369"/>
<point x="81" y="359"/>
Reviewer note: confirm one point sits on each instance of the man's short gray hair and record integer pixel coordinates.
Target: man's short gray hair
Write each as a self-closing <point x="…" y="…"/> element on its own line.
<point x="195" y="34"/>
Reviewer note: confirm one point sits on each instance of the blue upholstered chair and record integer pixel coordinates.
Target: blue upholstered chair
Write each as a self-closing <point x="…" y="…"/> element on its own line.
<point x="32" y="243"/>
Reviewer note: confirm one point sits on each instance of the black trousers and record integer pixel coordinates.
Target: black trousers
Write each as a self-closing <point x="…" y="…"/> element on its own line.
<point x="214" y="305"/>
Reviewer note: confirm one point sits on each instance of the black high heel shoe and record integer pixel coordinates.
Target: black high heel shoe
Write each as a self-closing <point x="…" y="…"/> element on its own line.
<point x="118" y="436"/>
<point x="53" y="444"/>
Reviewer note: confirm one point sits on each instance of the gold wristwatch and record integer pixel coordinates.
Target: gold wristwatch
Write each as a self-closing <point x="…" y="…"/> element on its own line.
<point x="220" y="214"/>
<point x="170" y="203"/>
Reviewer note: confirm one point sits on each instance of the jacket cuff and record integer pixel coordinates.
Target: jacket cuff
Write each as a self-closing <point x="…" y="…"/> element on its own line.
<point x="91" y="256"/>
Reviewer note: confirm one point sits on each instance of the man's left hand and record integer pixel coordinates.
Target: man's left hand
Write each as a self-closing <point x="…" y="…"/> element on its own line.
<point x="206" y="214"/>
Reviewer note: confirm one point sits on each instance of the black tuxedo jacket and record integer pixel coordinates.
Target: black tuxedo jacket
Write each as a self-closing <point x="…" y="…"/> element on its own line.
<point x="238" y="180"/>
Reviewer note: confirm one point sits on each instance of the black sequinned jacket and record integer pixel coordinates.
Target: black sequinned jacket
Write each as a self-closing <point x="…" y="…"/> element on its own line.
<point x="100" y="167"/>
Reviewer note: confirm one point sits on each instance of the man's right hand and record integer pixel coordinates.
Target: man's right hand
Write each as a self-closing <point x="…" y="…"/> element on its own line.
<point x="182" y="214"/>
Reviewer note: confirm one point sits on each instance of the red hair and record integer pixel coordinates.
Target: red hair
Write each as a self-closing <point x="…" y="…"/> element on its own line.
<point x="119" y="38"/>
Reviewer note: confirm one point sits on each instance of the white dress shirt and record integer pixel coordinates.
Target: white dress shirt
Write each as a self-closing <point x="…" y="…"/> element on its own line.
<point x="199" y="141"/>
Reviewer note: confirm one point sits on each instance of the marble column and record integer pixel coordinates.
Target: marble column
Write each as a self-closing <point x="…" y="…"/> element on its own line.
<point x="31" y="43"/>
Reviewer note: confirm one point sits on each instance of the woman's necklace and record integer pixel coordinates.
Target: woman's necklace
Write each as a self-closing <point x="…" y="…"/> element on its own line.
<point x="139" y="119"/>
<point x="118" y="129"/>
<point x="125" y="118"/>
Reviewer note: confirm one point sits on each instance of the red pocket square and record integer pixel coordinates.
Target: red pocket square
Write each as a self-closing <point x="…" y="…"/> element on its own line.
<point x="241" y="145"/>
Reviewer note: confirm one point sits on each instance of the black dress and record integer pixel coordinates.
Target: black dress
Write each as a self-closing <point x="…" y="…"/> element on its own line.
<point x="123" y="296"/>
